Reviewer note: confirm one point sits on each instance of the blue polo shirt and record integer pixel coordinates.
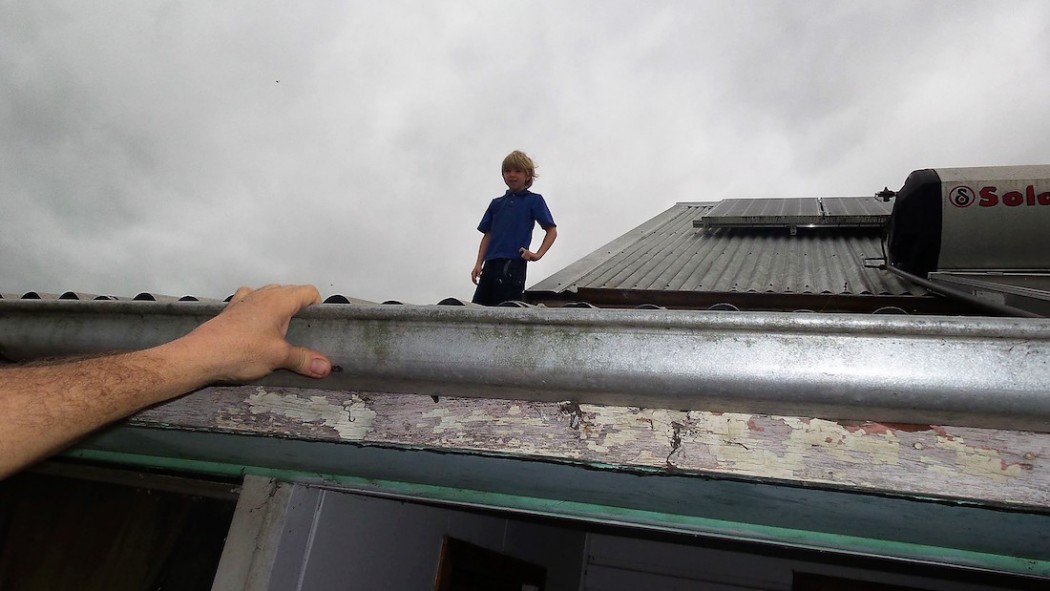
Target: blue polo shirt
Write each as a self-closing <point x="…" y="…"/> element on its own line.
<point x="509" y="221"/>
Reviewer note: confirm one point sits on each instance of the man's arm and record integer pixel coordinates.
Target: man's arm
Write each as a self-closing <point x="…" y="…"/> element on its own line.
<point x="548" y="241"/>
<point x="474" y="274"/>
<point x="45" y="407"/>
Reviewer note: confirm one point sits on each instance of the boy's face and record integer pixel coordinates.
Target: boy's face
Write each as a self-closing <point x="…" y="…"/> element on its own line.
<point x="515" y="179"/>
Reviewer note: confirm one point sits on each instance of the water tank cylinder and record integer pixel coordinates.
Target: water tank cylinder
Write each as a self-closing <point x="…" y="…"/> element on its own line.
<point x="994" y="218"/>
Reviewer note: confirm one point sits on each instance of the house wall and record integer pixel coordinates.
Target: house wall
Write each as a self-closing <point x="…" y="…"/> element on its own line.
<point x="621" y="563"/>
<point x="336" y="540"/>
<point x="339" y="540"/>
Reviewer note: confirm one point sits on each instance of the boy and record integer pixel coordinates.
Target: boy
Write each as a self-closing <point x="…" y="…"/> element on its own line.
<point x="507" y="227"/>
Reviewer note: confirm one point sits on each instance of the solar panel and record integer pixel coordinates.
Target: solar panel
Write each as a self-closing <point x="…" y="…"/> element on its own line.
<point x="853" y="206"/>
<point x="792" y="213"/>
<point x="765" y="208"/>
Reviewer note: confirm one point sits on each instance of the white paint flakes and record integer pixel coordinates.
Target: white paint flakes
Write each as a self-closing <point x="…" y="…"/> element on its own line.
<point x="986" y="463"/>
<point x="352" y="419"/>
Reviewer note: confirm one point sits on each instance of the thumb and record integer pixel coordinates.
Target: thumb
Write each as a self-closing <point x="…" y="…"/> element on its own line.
<point x="307" y="362"/>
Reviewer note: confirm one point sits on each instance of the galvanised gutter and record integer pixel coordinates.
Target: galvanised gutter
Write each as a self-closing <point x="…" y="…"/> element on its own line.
<point x="965" y="371"/>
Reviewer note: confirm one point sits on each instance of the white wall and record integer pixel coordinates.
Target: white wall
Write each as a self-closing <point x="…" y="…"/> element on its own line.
<point x="345" y="541"/>
<point x="332" y="540"/>
<point x="616" y="563"/>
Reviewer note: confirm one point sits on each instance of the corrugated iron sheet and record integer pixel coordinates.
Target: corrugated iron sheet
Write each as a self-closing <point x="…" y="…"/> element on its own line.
<point x="669" y="254"/>
<point x="146" y="296"/>
<point x="81" y="296"/>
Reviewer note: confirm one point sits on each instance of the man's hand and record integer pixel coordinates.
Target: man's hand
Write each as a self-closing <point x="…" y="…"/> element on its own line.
<point x="246" y="341"/>
<point x="476" y="273"/>
<point x="45" y="407"/>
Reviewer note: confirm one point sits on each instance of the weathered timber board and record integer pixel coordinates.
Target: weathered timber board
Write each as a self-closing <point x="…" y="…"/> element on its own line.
<point x="984" y="465"/>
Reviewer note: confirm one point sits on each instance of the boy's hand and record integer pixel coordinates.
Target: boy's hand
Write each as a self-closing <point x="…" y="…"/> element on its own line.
<point x="528" y="255"/>
<point x="475" y="273"/>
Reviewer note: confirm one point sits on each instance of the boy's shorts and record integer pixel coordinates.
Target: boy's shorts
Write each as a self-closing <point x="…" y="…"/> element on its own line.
<point x="502" y="280"/>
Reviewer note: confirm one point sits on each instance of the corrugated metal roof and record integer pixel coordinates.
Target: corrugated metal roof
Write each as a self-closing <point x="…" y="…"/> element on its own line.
<point x="668" y="254"/>
<point x="146" y="296"/>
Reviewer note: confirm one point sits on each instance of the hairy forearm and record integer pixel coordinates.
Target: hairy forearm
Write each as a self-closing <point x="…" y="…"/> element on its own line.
<point x="44" y="407"/>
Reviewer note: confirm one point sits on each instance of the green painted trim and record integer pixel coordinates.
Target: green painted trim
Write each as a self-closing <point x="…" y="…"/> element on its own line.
<point x="603" y="513"/>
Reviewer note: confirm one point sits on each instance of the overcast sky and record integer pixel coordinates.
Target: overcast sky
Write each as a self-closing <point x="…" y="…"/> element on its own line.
<point x="191" y="147"/>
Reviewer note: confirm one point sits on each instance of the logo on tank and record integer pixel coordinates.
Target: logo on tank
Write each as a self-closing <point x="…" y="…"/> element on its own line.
<point x="992" y="196"/>
<point x="962" y="196"/>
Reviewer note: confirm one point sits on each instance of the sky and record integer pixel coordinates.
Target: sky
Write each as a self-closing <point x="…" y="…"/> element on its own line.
<point x="190" y="147"/>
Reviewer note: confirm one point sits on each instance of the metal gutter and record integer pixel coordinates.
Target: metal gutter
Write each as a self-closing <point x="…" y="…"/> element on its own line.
<point x="979" y="372"/>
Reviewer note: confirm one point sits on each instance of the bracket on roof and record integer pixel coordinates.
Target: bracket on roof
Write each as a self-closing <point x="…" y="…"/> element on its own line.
<point x="886" y="194"/>
<point x="874" y="263"/>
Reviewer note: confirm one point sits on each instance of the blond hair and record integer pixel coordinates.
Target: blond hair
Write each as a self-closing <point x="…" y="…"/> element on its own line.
<point x="518" y="160"/>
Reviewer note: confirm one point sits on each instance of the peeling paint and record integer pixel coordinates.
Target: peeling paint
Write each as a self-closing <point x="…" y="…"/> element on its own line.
<point x="352" y="419"/>
<point x="933" y="460"/>
<point x="978" y="461"/>
<point x="730" y="441"/>
<point x="869" y="444"/>
<point x="617" y="427"/>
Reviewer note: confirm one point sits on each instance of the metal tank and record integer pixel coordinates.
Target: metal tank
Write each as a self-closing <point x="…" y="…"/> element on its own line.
<point x="980" y="233"/>
<point x="982" y="218"/>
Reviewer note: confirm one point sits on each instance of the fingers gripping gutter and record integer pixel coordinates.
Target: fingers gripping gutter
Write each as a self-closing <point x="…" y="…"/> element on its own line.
<point x="300" y="359"/>
<point x="307" y="362"/>
<point x="250" y="333"/>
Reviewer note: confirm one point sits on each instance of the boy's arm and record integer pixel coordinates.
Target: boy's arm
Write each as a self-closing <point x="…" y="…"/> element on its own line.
<point x="45" y="407"/>
<point x="548" y="241"/>
<point x="481" y="258"/>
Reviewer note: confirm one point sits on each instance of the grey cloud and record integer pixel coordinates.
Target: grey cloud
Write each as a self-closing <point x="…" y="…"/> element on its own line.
<point x="150" y="146"/>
